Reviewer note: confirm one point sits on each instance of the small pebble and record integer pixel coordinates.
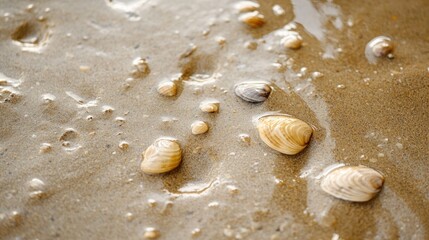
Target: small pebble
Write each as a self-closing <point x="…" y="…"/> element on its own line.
<point x="196" y="232"/>
<point x="107" y="109"/>
<point x="45" y="147"/>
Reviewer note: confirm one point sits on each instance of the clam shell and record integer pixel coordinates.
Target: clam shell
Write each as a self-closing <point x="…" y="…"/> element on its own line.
<point x="353" y="183"/>
<point x="209" y="106"/>
<point x="167" y="88"/>
<point x="284" y="133"/>
<point x="246" y="6"/>
<point x="292" y="40"/>
<point x="252" y="19"/>
<point x="378" y="47"/>
<point x="162" y="156"/>
<point x="254" y="92"/>
<point x="199" y="127"/>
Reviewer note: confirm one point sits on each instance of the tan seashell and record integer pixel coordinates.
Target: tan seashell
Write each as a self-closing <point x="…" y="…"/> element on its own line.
<point x="379" y="47"/>
<point x="162" y="156"/>
<point x="292" y="40"/>
<point x="246" y="6"/>
<point x="252" y="19"/>
<point x="167" y="88"/>
<point x="254" y="92"/>
<point x="353" y="183"/>
<point x="199" y="127"/>
<point x="284" y="133"/>
<point x="209" y="106"/>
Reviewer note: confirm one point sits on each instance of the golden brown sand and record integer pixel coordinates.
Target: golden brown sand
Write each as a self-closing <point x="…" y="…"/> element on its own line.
<point x="69" y="99"/>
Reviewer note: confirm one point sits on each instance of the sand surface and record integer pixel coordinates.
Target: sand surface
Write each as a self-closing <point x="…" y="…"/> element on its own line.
<point x="69" y="95"/>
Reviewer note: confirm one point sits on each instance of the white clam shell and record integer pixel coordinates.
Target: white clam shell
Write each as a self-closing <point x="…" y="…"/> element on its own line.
<point x="199" y="127"/>
<point x="246" y="6"/>
<point x="379" y="47"/>
<point x="284" y="133"/>
<point x="167" y="88"/>
<point x="254" y="92"/>
<point x="162" y="156"/>
<point x="209" y="106"/>
<point x="291" y="40"/>
<point x="252" y="19"/>
<point x="353" y="183"/>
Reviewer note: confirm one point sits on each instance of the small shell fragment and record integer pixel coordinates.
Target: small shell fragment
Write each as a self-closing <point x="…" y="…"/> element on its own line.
<point x="252" y="19"/>
<point x="162" y="156"/>
<point x="353" y="183"/>
<point x="284" y="133"/>
<point x="379" y="47"/>
<point x="246" y="6"/>
<point x="254" y="92"/>
<point x="151" y="233"/>
<point x="209" y="106"/>
<point x="141" y="65"/>
<point x="199" y="127"/>
<point x="291" y="40"/>
<point x="167" y="88"/>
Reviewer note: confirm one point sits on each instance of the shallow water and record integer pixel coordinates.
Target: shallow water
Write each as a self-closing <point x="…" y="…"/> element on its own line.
<point x="70" y="95"/>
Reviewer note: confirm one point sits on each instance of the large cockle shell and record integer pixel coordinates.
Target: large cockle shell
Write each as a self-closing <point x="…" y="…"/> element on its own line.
<point x="254" y="92"/>
<point x="162" y="156"/>
<point x="252" y="19"/>
<point x="353" y="183"/>
<point x="284" y="133"/>
<point x="292" y="40"/>
<point x="378" y="47"/>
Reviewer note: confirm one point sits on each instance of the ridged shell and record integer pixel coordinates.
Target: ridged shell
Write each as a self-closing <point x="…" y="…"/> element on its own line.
<point x="254" y="92"/>
<point x="162" y="156"/>
<point x="167" y="88"/>
<point x="199" y="127"/>
<point x="209" y="106"/>
<point x="292" y="40"/>
<point x="378" y="47"/>
<point x="252" y="19"/>
<point x="284" y="133"/>
<point x="353" y="183"/>
<point x="246" y="6"/>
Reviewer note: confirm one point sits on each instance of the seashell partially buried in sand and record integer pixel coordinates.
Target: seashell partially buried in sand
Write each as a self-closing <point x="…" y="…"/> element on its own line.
<point x="353" y="183"/>
<point x="162" y="156"/>
<point x="292" y="40"/>
<point x="379" y="47"/>
<point x="246" y="6"/>
<point x="167" y="88"/>
<point x="252" y="19"/>
<point x="199" y="127"/>
<point x="209" y="106"/>
<point x="284" y="133"/>
<point x="254" y="92"/>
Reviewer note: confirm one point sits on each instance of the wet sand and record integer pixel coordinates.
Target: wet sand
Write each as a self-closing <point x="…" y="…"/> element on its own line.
<point x="64" y="64"/>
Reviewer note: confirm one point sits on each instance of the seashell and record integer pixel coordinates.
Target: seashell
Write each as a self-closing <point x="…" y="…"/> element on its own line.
<point x="252" y="19"/>
<point x="284" y="133"/>
<point x="378" y="47"/>
<point x="291" y="40"/>
<point x="246" y="6"/>
<point x="162" y="156"/>
<point x="199" y="127"/>
<point x="353" y="183"/>
<point x="167" y="88"/>
<point x="254" y="92"/>
<point x="209" y="106"/>
<point x="141" y="65"/>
